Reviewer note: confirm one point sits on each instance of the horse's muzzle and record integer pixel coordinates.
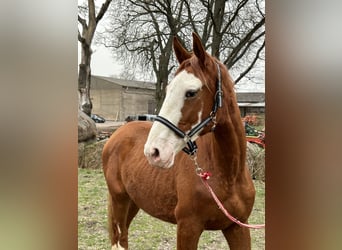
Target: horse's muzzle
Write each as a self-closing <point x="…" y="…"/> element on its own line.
<point x="162" y="157"/>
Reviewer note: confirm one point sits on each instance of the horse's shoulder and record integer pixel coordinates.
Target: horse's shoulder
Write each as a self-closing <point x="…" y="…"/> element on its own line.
<point x="131" y="131"/>
<point x="126" y="138"/>
<point x="133" y="128"/>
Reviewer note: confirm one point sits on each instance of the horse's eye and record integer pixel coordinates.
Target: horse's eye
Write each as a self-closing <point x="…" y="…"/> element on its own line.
<point x="190" y="93"/>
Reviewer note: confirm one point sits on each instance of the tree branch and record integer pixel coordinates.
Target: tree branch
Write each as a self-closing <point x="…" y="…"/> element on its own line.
<point x="252" y="64"/>
<point x="241" y="54"/>
<point x="80" y="38"/>
<point x="236" y="12"/>
<point x="82" y="22"/>
<point x="103" y="10"/>
<point x="91" y="9"/>
<point x="242" y="43"/>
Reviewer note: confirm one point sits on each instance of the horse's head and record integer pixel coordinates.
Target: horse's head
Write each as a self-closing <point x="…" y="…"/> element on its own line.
<point x="189" y="99"/>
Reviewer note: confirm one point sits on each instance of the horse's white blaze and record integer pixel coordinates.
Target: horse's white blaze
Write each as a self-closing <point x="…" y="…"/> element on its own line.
<point x="161" y="137"/>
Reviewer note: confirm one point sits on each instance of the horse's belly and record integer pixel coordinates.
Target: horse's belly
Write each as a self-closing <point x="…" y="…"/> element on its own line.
<point x="153" y="191"/>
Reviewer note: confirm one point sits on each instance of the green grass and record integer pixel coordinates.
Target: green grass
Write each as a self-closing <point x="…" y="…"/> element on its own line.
<point x="145" y="232"/>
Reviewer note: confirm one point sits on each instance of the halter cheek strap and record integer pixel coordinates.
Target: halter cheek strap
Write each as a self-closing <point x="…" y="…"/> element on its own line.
<point x="191" y="148"/>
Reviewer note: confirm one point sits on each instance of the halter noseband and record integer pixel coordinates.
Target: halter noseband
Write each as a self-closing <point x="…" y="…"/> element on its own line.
<point x="191" y="148"/>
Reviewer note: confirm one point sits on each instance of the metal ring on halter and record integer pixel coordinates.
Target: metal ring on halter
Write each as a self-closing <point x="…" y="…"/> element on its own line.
<point x="198" y="171"/>
<point x="186" y="138"/>
<point x="194" y="157"/>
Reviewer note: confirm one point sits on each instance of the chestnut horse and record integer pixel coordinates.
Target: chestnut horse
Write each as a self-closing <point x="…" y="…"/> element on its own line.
<point x="201" y="101"/>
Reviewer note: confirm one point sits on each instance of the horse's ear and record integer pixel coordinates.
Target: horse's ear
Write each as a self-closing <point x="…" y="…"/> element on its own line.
<point x="198" y="48"/>
<point x="181" y="53"/>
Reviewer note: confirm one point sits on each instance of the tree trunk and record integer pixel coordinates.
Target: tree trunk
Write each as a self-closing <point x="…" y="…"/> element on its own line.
<point x="84" y="81"/>
<point x="163" y="74"/>
<point x="88" y="31"/>
<point x="162" y="80"/>
<point x="160" y="92"/>
<point x="219" y="10"/>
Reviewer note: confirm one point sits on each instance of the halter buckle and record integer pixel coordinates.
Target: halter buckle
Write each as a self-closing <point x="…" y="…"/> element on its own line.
<point x="213" y="119"/>
<point x="186" y="138"/>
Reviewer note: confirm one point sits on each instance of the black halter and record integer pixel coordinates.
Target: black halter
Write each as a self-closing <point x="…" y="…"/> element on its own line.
<point x="191" y="145"/>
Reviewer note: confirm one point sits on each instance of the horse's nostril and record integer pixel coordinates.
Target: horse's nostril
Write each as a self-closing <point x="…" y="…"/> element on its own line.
<point x="155" y="153"/>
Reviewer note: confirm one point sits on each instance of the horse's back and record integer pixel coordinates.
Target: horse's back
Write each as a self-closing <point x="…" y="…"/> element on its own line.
<point x="130" y="136"/>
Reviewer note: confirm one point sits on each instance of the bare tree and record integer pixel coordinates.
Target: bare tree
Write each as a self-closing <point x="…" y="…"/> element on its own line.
<point x="234" y="32"/>
<point x="141" y="33"/>
<point x="88" y="21"/>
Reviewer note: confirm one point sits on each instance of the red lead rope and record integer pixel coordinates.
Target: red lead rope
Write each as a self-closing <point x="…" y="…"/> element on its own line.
<point x="204" y="177"/>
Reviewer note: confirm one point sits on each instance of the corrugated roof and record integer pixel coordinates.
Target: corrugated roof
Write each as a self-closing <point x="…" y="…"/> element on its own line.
<point x="129" y="83"/>
<point x="249" y="104"/>
<point x="255" y="97"/>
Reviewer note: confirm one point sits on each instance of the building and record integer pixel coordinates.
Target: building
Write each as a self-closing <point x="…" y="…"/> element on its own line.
<point x="115" y="99"/>
<point x="251" y="102"/>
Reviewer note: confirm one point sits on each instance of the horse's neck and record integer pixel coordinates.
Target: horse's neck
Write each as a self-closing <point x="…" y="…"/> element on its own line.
<point x="230" y="147"/>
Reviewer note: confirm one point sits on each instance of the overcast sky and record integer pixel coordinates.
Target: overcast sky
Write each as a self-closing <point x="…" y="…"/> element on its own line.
<point x="102" y="62"/>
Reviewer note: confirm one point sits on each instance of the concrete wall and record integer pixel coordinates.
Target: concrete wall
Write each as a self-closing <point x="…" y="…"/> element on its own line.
<point x="135" y="101"/>
<point x="115" y="102"/>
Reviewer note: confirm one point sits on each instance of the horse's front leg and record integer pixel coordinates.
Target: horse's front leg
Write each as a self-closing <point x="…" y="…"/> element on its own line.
<point x="238" y="237"/>
<point x="188" y="233"/>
